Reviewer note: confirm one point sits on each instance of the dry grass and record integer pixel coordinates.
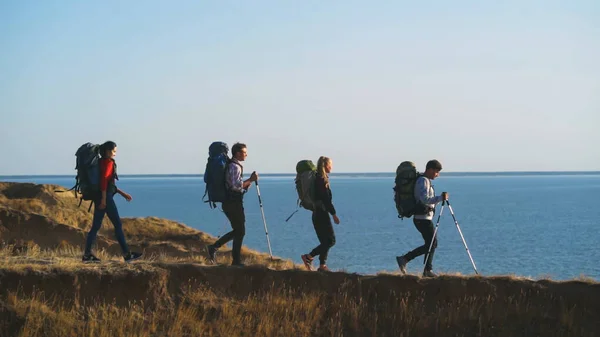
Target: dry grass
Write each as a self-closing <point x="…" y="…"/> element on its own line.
<point x="159" y="239"/>
<point x="285" y="311"/>
<point x="31" y="255"/>
<point x="221" y="301"/>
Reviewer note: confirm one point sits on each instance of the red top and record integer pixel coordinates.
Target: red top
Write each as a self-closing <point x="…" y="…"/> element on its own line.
<point x="107" y="173"/>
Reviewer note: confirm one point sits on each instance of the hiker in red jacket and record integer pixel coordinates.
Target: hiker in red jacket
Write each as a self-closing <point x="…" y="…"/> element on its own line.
<point x="105" y="204"/>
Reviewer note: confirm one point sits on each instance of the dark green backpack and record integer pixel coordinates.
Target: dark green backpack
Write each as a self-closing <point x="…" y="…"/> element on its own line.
<point x="404" y="189"/>
<point x="305" y="181"/>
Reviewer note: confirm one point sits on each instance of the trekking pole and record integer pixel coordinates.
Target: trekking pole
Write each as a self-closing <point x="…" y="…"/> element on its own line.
<point x="263" y="217"/>
<point x="462" y="237"/>
<point x="291" y="215"/>
<point x="434" y="232"/>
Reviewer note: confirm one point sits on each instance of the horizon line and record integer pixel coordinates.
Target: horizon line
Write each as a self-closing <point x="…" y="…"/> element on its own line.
<point x="293" y="173"/>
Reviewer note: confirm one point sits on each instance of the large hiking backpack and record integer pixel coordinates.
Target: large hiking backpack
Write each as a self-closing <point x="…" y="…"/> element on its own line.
<point x="404" y="189"/>
<point x="305" y="181"/>
<point x="87" y="180"/>
<point x="214" y="174"/>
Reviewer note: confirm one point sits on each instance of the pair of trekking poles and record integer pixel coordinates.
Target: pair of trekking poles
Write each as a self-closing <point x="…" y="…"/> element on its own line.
<point x="459" y="232"/>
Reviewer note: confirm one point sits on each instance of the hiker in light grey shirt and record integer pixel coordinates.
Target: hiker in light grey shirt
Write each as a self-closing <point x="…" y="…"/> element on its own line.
<point x="426" y="201"/>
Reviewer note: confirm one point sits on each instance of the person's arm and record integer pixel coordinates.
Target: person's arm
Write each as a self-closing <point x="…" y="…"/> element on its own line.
<point x="248" y="182"/>
<point x="323" y="195"/>
<point x="124" y="194"/>
<point x="106" y="172"/>
<point x="234" y="179"/>
<point x="421" y="189"/>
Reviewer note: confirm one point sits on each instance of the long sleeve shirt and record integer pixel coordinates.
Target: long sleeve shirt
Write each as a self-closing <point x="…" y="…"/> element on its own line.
<point x="233" y="176"/>
<point x="323" y="194"/>
<point x="425" y="194"/>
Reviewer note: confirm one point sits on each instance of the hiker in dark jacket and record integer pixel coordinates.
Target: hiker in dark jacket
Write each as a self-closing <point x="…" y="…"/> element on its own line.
<point x="423" y="218"/>
<point x="233" y="207"/>
<point x="320" y="217"/>
<point x="105" y="204"/>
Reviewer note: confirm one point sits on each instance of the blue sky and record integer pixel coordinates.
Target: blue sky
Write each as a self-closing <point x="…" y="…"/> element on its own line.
<point x="507" y="86"/>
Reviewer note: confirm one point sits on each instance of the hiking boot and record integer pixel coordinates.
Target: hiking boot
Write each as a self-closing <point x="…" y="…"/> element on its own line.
<point x="429" y="273"/>
<point x="132" y="256"/>
<point x="307" y="259"/>
<point x="402" y="261"/>
<point x="323" y="268"/>
<point x="89" y="258"/>
<point x="212" y="254"/>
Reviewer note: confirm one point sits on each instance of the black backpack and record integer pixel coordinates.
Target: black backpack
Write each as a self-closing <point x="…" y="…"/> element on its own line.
<point x="214" y="173"/>
<point x="87" y="181"/>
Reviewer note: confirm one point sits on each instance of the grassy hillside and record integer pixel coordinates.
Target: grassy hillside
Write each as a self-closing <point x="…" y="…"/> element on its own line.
<point x="46" y="291"/>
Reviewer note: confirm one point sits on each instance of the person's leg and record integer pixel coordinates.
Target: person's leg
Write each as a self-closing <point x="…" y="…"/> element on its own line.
<point x="113" y="214"/>
<point x="96" y="225"/>
<point x="308" y="258"/>
<point x="325" y="234"/>
<point x="316" y="225"/>
<point x="212" y="249"/>
<point x="327" y="237"/>
<point x="228" y="209"/>
<point x="426" y="228"/>
<point x="234" y="210"/>
<point x="239" y="231"/>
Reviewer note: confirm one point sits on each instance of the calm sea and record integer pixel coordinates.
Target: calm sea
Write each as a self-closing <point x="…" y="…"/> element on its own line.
<point x="527" y="224"/>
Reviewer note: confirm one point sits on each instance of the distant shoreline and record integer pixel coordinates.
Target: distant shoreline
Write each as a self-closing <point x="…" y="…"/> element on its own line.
<point x="338" y="174"/>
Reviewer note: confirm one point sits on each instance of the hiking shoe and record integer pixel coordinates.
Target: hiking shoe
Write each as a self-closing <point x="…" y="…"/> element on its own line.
<point x="307" y="259"/>
<point x="402" y="261"/>
<point x="132" y="256"/>
<point x="429" y="273"/>
<point x="323" y="268"/>
<point x="212" y="254"/>
<point x="89" y="258"/>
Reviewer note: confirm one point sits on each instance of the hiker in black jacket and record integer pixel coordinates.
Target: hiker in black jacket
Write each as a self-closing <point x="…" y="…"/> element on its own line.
<point x="320" y="217"/>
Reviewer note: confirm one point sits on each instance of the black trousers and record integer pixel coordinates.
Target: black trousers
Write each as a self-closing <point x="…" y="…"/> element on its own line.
<point x="324" y="228"/>
<point x="426" y="228"/>
<point x="234" y="210"/>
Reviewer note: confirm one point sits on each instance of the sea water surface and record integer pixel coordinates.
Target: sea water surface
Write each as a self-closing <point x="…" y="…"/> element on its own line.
<point x="527" y="224"/>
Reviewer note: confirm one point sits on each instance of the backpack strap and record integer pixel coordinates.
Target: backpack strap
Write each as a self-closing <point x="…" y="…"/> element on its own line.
<point x="206" y="192"/>
<point x="230" y="161"/>
<point x="115" y="175"/>
<point x="70" y="189"/>
<point x="424" y="207"/>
